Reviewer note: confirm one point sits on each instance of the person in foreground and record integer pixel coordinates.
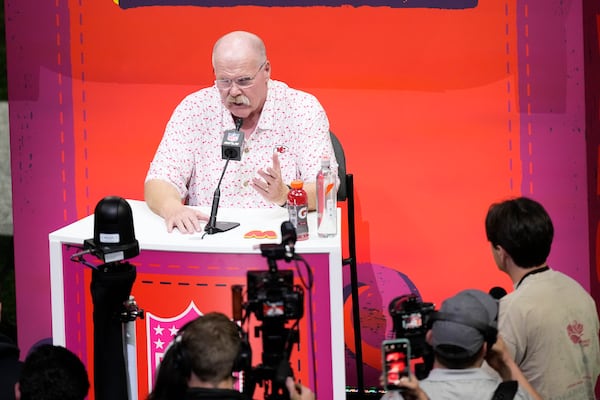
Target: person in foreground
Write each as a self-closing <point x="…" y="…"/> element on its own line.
<point x="549" y="322"/>
<point x="10" y="366"/>
<point x="286" y="133"/>
<point x="52" y="373"/>
<point x="463" y="336"/>
<point x="200" y="363"/>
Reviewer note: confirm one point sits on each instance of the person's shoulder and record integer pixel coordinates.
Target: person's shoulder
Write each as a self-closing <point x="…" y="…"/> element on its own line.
<point x="523" y="299"/>
<point x="203" y="95"/>
<point x="559" y="275"/>
<point x="199" y="101"/>
<point x="206" y="92"/>
<point x="569" y="282"/>
<point x="507" y="300"/>
<point x="283" y="90"/>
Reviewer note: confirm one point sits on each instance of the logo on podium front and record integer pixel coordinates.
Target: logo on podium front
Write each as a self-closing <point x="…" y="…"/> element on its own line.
<point x="160" y="334"/>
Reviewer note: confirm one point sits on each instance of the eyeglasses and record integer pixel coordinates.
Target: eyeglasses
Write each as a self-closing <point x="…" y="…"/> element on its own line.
<point x="243" y="82"/>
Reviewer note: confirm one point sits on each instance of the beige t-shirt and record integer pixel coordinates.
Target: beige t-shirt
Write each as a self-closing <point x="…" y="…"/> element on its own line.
<point x="550" y="325"/>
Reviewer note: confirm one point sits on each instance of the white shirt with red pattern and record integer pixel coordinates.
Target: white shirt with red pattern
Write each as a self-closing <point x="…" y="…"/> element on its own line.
<point x="292" y="123"/>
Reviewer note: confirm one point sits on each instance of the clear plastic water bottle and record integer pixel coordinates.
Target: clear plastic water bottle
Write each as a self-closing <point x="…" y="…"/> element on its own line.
<point x="298" y="209"/>
<point x="326" y="200"/>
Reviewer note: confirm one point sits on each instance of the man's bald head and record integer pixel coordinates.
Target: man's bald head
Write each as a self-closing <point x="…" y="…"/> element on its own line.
<point x="237" y="46"/>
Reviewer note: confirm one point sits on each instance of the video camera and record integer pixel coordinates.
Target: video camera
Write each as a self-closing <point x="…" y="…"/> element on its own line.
<point x="274" y="295"/>
<point x="411" y="319"/>
<point x="274" y="299"/>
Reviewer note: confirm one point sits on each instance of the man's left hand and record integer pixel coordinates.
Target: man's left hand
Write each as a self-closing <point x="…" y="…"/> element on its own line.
<point x="270" y="185"/>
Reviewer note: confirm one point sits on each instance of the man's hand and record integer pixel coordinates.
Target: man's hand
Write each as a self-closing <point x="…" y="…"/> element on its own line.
<point x="163" y="199"/>
<point x="500" y="359"/>
<point x="410" y="389"/>
<point x="184" y="218"/>
<point x="298" y="391"/>
<point x="271" y="186"/>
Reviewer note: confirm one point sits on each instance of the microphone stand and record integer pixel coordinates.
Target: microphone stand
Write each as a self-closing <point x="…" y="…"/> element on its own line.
<point x="213" y="226"/>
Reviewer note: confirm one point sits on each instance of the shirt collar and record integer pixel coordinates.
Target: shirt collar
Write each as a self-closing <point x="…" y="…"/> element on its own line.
<point x="532" y="272"/>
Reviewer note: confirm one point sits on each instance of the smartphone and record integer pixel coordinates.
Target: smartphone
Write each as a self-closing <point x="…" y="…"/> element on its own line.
<point x="396" y="361"/>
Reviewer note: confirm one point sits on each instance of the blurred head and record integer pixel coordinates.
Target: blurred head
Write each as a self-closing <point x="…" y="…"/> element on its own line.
<point x="202" y="354"/>
<point x="242" y="73"/>
<point x="464" y="323"/>
<point x="523" y="228"/>
<point x="52" y="373"/>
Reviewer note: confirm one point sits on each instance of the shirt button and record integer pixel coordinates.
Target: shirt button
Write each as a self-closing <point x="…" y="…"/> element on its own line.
<point x="246" y="149"/>
<point x="245" y="183"/>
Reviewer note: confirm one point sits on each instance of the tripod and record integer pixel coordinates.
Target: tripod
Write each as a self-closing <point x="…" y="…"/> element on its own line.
<point x="114" y="310"/>
<point x="277" y="341"/>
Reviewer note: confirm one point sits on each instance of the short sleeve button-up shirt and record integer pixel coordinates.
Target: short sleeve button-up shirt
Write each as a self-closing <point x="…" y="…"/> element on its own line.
<point x="292" y="123"/>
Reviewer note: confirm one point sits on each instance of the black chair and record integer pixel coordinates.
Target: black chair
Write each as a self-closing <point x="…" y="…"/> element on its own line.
<point x="346" y="193"/>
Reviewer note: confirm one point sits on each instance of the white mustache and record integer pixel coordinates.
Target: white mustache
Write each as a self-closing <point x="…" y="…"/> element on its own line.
<point x="239" y="99"/>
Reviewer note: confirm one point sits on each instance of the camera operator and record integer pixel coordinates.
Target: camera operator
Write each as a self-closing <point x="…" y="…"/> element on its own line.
<point x="463" y="335"/>
<point x="201" y="360"/>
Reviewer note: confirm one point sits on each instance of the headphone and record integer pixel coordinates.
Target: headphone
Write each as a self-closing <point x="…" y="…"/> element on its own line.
<point x="243" y="359"/>
<point x="489" y="332"/>
<point x="183" y="362"/>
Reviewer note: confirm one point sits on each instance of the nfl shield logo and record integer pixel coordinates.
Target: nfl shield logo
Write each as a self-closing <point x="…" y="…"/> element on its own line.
<point x="160" y="332"/>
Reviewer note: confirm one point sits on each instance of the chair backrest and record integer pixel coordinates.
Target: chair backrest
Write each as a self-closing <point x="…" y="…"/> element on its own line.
<point x="346" y="193"/>
<point x="341" y="160"/>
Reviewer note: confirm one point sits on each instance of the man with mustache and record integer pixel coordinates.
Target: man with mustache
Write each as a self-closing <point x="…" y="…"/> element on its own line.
<point x="286" y="133"/>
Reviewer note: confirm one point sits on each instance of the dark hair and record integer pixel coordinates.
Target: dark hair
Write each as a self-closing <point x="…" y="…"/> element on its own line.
<point x="455" y="357"/>
<point x="523" y="228"/>
<point x="53" y="373"/>
<point x="207" y="346"/>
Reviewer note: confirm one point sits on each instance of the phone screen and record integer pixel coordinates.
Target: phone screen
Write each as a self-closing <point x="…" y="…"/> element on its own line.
<point x="396" y="361"/>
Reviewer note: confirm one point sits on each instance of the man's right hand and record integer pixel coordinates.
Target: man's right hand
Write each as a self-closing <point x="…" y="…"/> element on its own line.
<point x="163" y="199"/>
<point x="184" y="218"/>
<point x="500" y="359"/>
<point x="410" y="389"/>
<point x="298" y="391"/>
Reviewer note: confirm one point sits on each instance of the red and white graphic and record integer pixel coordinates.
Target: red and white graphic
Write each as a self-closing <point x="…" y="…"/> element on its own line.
<point x="281" y="149"/>
<point x="575" y="332"/>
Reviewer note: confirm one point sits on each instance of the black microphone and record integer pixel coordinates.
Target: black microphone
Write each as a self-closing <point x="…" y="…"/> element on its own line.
<point x="288" y="239"/>
<point x="231" y="149"/>
<point x="497" y="292"/>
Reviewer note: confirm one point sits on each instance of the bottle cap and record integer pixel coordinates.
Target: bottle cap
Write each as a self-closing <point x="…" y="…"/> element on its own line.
<point x="325" y="161"/>
<point x="297" y="184"/>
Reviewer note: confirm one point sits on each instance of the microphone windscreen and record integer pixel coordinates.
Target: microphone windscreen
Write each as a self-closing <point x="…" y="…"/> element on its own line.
<point x="232" y="146"/>
<point x="497" y="292"/>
